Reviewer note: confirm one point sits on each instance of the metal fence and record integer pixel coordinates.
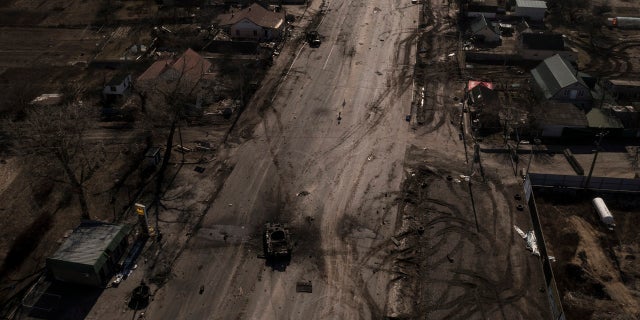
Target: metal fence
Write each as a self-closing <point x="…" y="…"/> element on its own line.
<point x="580" y="182"/>
<point x="555" y="304"/>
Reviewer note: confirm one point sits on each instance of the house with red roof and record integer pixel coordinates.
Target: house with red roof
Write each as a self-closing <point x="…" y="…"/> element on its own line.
<point x="188" y="74"/>
<point x="189" y="66"/>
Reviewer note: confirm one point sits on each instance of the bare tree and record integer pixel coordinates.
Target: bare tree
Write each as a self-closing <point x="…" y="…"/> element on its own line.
<point x="55" y="138"/>
<point x="167" y="100"/>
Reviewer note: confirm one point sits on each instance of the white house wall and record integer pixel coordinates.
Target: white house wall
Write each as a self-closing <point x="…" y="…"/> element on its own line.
<point x="245" y="29"/>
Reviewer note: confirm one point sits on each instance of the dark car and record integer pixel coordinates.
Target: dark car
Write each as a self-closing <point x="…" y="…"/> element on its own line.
<point x="313" y="38"/>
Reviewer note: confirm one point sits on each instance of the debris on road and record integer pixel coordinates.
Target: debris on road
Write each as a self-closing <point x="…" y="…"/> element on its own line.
<point x="198" y="169"/>
<point x="183" y="149"/>
<point x="302" y="193"/>
<point x="395" y="241"/>
<point x="530" y="238"/>
<point x="304" y="286"/>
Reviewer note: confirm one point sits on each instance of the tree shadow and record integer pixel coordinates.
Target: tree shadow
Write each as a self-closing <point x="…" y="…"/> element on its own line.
<point x="26" y="242"/>
<point x="60" y="300"/>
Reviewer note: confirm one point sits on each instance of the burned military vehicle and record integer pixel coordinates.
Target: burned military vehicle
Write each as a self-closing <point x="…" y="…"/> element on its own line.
<point x="277" y="241"/>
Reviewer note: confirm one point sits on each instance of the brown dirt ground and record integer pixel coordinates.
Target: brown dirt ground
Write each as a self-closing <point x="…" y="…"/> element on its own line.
<point x="596" y="270"/>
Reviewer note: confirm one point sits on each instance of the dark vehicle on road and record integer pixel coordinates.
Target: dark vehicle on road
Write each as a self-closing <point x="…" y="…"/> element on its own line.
<point x="313" y="38"/>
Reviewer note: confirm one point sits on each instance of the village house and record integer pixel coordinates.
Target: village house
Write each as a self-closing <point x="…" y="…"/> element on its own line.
<point x="537" y="46"/>
<point x="486" y="8"/>
<point x="483" y="32"/>
<point x="189" y="73"/>
<point x="118" y="86"/>
<point x="623" y="90"/>
<point x="189" y="67"/>
<point x="533" y="10"/>
<point x="480" y="94"/>
<point x="557" y="80"/>
<point x="254" y="23"/>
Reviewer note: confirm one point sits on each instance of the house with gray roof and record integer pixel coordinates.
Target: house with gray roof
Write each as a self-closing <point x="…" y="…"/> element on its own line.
<point x="482" y="31"/>
<point x="537" y="46"/>
<point x="557" y="80"/>
<point x="90" y="255"/>
<point x="533" y="10"/>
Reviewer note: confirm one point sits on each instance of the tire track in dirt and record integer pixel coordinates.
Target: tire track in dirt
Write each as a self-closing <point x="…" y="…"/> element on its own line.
<point x="467" y="273"/>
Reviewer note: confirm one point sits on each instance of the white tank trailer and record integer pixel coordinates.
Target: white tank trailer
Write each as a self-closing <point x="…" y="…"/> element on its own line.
<point x="623" y="22"/>
<point x="603" y="212"/>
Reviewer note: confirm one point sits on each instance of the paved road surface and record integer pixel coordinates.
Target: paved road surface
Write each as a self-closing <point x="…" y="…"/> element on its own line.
<point x="350" y="167"/>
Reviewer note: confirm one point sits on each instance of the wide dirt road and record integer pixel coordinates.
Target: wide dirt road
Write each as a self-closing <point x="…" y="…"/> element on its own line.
<point x="351" y="168"/>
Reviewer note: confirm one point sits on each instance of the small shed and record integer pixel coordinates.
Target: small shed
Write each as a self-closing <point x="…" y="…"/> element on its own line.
<point x="90" y="255"/>
<point x="623" y="89"/>
<point x="534" y="10"/>
<point x="118" y="85"/>
<point x="153" y="156"/>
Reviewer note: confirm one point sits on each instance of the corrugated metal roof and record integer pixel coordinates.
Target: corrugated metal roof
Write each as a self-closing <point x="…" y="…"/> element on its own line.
<point x="531" y="4"/>
<point x="88" y="243"/>
<point x="599" y="119"/>
<point x="553" y="74"/>
<point x="478" y="24"/>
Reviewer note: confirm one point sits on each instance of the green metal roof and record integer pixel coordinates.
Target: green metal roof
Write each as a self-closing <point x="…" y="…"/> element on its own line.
<point x="531" y="4"/>
<point x="599" y="119"/>
<point x="89" y="242"/>
<point x="553" y="74"/>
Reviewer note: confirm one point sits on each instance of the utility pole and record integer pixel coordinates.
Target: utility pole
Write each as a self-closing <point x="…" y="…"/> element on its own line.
<point x="536" y="142"/>
<point x="600" y="135"/>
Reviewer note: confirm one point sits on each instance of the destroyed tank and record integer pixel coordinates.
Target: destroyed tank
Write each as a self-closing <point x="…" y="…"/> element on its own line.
<point x="277" y="240"/>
